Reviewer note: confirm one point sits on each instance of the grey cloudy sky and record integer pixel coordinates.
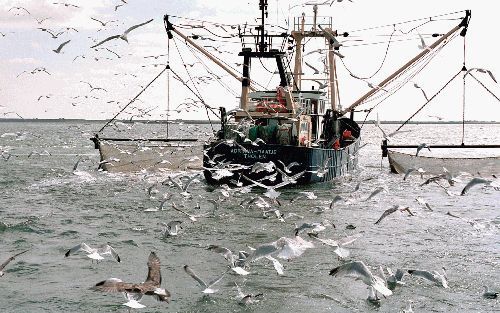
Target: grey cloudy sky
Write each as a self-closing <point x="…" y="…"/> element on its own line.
<point x="123" y="69"/>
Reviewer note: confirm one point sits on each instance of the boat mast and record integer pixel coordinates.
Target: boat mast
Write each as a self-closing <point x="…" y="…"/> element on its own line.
<point x="326" y="32"/>
<point x="464" y="23"/>
<point x="263" y="49"/>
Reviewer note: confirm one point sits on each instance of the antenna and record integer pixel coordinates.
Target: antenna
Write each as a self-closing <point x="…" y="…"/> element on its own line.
<point x="260" y="29"/>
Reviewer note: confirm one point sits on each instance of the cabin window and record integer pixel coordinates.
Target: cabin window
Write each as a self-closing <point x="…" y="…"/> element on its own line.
<point x="321" y="107"/>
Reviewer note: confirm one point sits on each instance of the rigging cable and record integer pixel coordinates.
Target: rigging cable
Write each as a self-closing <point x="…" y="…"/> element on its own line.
<point x="197" y="93"/>
<point x="430" y="99"/>
<point x="131" y="101"/>
<point x="381" y="64"/>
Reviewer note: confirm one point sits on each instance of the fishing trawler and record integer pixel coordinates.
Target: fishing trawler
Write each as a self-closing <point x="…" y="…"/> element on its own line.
<point x="289" y="134"/>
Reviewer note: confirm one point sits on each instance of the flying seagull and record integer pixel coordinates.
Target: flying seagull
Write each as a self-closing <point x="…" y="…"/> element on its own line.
<point x="482" y="70"/>
<point x="150" y="287"/>
<point x="207" y="288"/>
<point x="473" y="182"/>
<point x="360" y="271"/>
<point x="101" y="22"/>
<point x="434" y="276"/>
<point x="122" y="36"/>
<point x="422" y="146"/>
<point x="58" y="50"/>
<point x="94" y="253"/>
<point x="4" y="264"/>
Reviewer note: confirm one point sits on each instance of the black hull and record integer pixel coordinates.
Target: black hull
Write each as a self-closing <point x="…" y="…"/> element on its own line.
<point x="342" y="161"/>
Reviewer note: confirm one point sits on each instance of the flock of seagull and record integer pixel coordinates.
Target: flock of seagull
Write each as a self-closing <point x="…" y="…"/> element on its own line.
<point x="381" y="283"/>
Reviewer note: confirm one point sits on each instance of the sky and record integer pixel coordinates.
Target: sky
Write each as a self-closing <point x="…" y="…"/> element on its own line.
<point x="37" y="82"/>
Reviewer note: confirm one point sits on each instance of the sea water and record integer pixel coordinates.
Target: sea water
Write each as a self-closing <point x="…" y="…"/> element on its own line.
<point x="47" y="207"/>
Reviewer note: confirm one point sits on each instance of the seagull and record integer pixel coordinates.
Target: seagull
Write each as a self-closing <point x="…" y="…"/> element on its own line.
<point x="314" y="227"/>
<point x="489" y="294"/>
<point x="4" y="264"/>
<point x="482" y="70"/>
<point x="245" y="299"/>
<point x="473" y="182"/>
<point x="94" y="253"/>
<point x="236" y="263"/>
<point x="418" y="87"/>
<point x="337" y="244"/>
<point x="316" y="71"/>
<point x="58" y="50"/>
<point x="377" y="191"/>
<point x="101" y="22"/>
<point x="359" y="270"/>
<point x="422" y="146"/>
<point x="171" y="228"/>
<point x="433" y="276"/>
<point x="67" y="4"/>
<point x="92" y="88"/>
<point x="395" y="279"/>
<point x="390" y="211"/>
<point x="122" y="36"/>
<point x="423" y="203"/>
<point x="133" y="301"/>
<point x="19" y="9"/>
<point x="150" y="287"/>
<point x="423" y="45"/>
<point x="207" y="288"/>
<point x="335" y="199"/>
<point x="287" y="168"/>
<point x="412" y="169"/>
<point x="321" y="84"/>
<point x="183" y="186"/>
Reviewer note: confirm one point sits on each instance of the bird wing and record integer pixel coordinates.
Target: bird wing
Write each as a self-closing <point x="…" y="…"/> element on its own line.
<point x="277" y="265"/>
<point x="189" y="181"/>
<point x="228" y="255"/>
<point x="107" y="249"/>
<point x="191" y="273"/>
<point x="81" y="247"/>
<point x="355" y="268"/>
<point x="387" y="212"/>
<point x="424" y="274"/>
<point x="107" y="39"/>
<point x="472" y="182"/>
<point x="62" y="45"/>
<point x="112" y="285"/>
<point x="135" y="26"/>
<point x="347" y="240"/>
<point x="216" y="280"/>
<point x="408" y="172"/>
<point x="175" y="183"/>
<point x="98" y="21"/>
<point x="154" y="274"/>
<point x="263" y="250"/>
<point x="4" y="264"/>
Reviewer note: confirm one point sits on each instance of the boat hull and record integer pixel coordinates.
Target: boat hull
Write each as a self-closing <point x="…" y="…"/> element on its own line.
<point x="401" y="162"/>
<point x="341" y="162"/>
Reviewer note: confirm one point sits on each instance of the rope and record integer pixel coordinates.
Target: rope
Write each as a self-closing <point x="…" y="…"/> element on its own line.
<point x="131" y="101"/>
<point x="197" y="93"/>
<point x="381" y="64"/>
<point x="207" y="107"/>
<point x="431" y="98"/>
